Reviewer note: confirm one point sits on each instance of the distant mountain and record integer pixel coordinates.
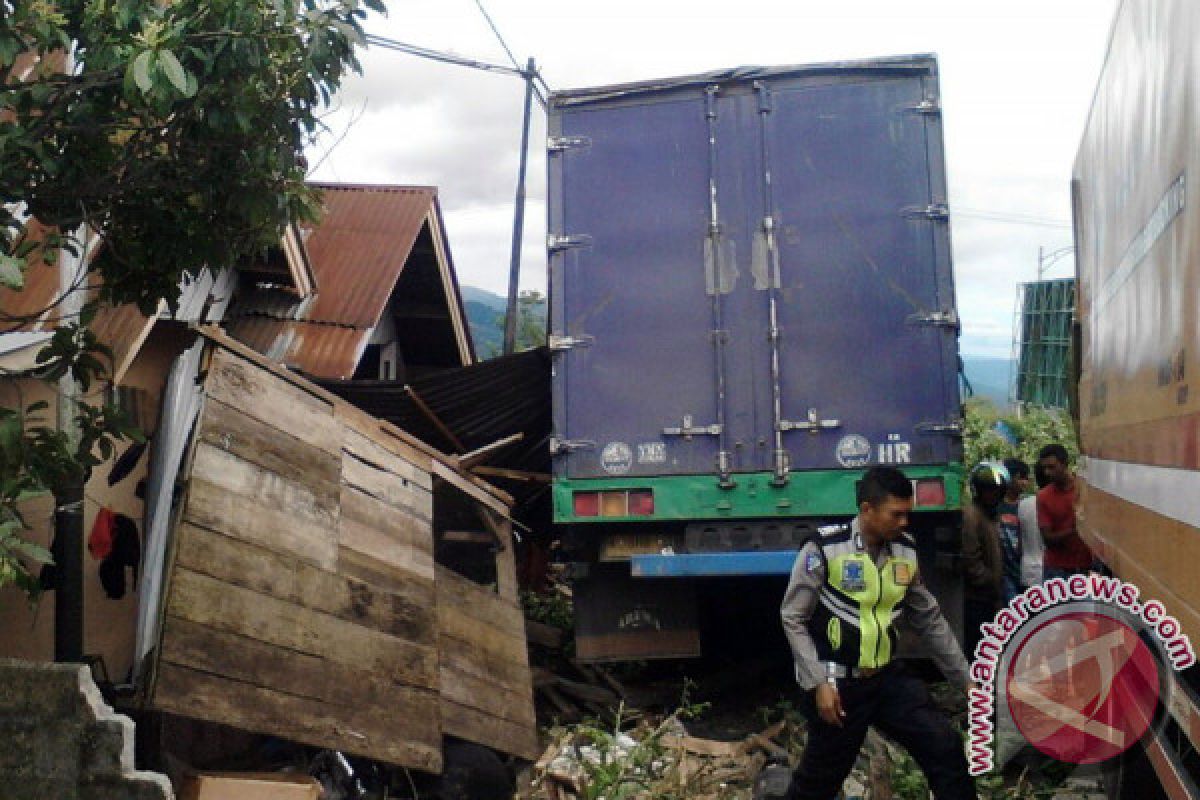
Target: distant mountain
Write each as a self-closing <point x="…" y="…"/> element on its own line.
<point x="473" y="294"/>
<point x="485" y="317"/>
<point x="989" y="377"/>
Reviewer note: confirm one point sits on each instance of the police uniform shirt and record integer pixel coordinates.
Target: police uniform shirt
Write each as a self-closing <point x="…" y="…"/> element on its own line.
<point x="803" y="601"/>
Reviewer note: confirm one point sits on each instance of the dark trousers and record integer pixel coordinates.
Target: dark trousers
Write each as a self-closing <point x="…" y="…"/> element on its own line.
<point x="898" y="705"/>
<point x="977" y="612"/>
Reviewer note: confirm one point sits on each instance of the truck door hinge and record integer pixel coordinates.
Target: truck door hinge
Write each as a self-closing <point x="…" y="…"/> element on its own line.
<point x="559" y="343"/>
<point x="935" y="212"/>
<point x="560" y="447"/>
<point x="559" y="144"/>
<point x="930" y="105"/>
<point x="689" y="429"/>
<point x="938" y="319"/>
<point x="945" y="428"/>
<point x="567" y="241"/>
<point x="812" y="424"/>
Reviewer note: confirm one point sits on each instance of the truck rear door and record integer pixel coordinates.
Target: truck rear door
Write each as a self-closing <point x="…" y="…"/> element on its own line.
<point x="858" y="273"/>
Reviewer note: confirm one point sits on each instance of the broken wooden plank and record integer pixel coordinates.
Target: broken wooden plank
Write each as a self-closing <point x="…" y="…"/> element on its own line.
<point x="434" y="419"/>
<point x="232" y="609"/>
<point x="395" y="538"/>
<point x="512" y="474"/>
<point x="481" y="454"/>
<point x="249" y="503"/>
<point x="473" y="725"/>
<point x="544" y="635"/>
<point x="399" y="492"/>
<point x="405" y="611"/>
<point x="565" y="707"/>
<point x="464" y="657"/>
<point x="586" y="692"/>
<point x="460" y="481"/>
<point x="705" y="747"/>
<point x="378" y="433"/>
<point x="279" y="404"/>
<point x="372" y="731"/>
<point x="469" y="537"/>
<point x="506" y="563"/>
<point x="237" y="433"/>
<point x="480" y="603"/>
<point x="512" y="705"/>
<point x="239" y="658"/>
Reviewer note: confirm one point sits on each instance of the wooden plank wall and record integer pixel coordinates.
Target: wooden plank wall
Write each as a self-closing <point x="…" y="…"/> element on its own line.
<point x="301" y="598"/>
<point x="487" y="688"/>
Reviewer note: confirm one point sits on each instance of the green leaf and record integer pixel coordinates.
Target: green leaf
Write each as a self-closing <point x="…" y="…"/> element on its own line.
<point x="141" y="70"/>
<point x="174" y="71"/>
<point x="12" y="272"/>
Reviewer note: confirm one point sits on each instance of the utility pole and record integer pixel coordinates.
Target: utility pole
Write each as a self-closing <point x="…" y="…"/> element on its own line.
<point x="68" y="499"/>
<point x="514" y="267"/>
<point x="1046" y="260"/>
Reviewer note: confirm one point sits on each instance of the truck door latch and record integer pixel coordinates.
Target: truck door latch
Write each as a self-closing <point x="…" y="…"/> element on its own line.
<point x="812" y="424"/>
<point x="558" y="344"/>
<point x="688" y="429"/>
<point x="946" y="428"/>
<point x="940" y="319"/>
<point x="559" y="144"/>
<point x="561" y="242"/>
<point x="937" y="212"/>
<point x="560" y="447"/>
<point x="929" y="105"/>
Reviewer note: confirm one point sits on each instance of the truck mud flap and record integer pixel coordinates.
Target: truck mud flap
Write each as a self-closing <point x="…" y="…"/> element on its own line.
<point x="621" y="618"/>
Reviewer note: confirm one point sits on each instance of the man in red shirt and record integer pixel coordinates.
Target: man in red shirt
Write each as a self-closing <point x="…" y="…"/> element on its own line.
<point x="1066" y="553"/>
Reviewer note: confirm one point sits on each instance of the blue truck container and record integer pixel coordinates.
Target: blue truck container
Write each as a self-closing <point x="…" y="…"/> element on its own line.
<point x="751" y="301"/>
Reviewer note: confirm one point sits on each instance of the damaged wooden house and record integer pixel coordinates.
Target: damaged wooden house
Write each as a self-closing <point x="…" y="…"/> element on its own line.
<point x="290" y="582"/>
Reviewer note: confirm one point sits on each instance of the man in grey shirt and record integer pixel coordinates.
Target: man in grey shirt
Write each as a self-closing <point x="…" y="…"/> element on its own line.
<point x="848" y="587"/>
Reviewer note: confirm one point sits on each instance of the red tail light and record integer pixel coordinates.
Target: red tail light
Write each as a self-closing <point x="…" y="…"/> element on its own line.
<point x="641" y="503"/>
<point x="587" y="504"/>
<point x="930" y="492"/>
<point x="614" y="503"/>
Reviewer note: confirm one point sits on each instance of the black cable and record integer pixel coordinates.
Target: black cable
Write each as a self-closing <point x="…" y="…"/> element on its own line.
<point x="437" y="55"/>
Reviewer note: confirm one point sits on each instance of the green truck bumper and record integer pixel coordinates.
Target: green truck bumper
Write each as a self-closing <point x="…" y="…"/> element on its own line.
<point x="816" y="493"/>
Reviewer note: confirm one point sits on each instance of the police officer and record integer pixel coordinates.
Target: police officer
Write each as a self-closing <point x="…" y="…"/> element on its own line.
<point x="847" y="589"/>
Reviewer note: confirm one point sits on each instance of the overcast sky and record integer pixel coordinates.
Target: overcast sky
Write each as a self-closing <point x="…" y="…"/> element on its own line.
<point x="1017" y="79"/>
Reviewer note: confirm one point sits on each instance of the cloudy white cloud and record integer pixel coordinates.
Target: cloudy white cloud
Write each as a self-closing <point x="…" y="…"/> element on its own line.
<point x="1017" y="79"/>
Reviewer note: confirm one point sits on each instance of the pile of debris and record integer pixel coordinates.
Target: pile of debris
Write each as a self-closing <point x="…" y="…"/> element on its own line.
<point x="652" y="759"/>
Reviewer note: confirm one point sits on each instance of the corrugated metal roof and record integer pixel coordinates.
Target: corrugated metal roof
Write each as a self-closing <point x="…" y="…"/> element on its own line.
<point x="324" y="351"/>
<point x="359" y="249"/>
<point x="357" y="253"/>
<point x="481" y="404"/>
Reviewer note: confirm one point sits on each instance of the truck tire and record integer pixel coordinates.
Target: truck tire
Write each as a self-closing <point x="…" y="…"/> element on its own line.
<point x="473" y="772"/>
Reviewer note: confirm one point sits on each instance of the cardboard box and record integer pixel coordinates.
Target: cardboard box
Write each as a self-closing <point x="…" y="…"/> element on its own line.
<point x="250" y="786"/>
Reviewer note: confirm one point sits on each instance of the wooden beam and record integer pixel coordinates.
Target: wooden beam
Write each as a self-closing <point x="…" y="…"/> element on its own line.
<point x="482" y="454"/>
<point x="434" y="419"/>
<point x="469" y="537"/>
<point x="512" y="474"/>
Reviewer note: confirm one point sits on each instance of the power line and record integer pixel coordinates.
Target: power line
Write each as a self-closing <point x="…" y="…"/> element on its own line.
<point x="438" y="55"/>
<point x="1010" y="218"/>
<point x="537" y="92"/>
<point x="456" y="60"/>
<point x="491" y="24"/>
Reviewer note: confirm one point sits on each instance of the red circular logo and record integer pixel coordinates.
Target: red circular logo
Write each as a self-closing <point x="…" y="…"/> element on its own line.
<point x="1082" y="687"/>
